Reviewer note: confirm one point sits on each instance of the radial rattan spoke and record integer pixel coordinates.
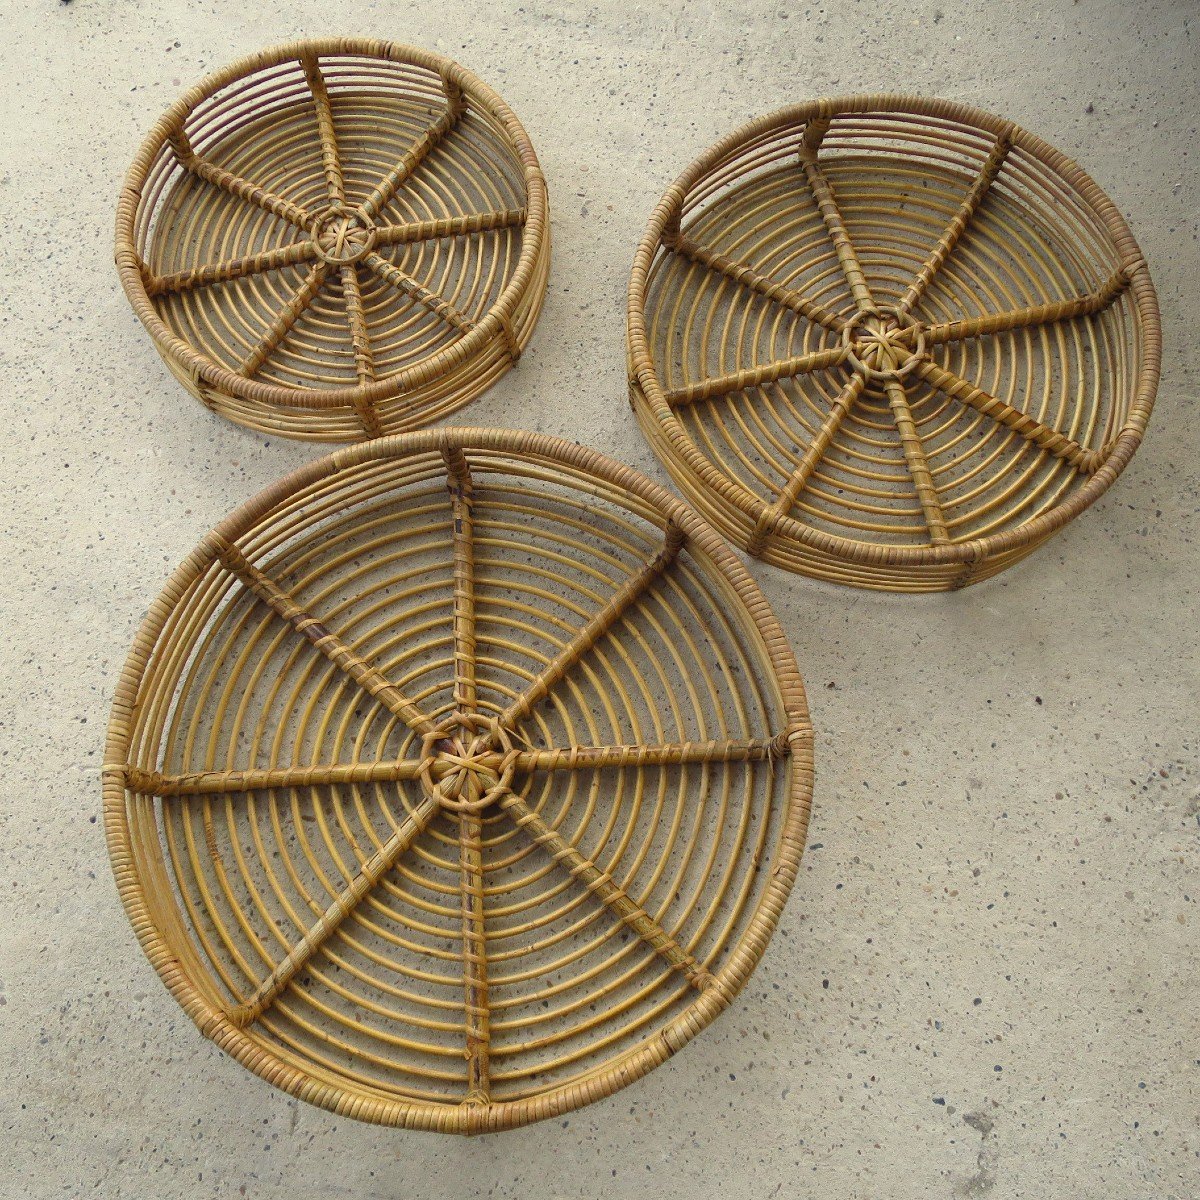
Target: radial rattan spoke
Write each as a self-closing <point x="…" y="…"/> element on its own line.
<point x="737" y="381"/>
<point x="330" y="159"/>
<point x="822" y="191"/>
<point x="756" y="281"/>
<point x="962" y="218"/>
<point x="235" y="268"/>
<point x="1033" y="315"/>
<point x="595" y="629"/>
<point x="218" y="783"/>
<point x="559" y="758"/>
<point x="281" y="326"/>
<point x="462" y="499"/>
<point x="360" y="340"/>
<point x="392" y="274"/>
<point x="244" y="189"/>
<point x="605" y="889"/>
<point x="327" y="642"/>
<point x="474" y="937"/>
<point x="391" y="183"/>
<point x="447" y="227"/>
<point x="798" y="480"/>
<point x="1058" y="444"/>
<point x="590" y="758"/>
<point x="346" y="901"/>
<point x="918" y="464"/>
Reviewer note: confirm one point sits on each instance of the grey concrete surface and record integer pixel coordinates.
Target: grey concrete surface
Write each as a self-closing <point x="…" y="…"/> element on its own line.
<point x="985" y="983"/>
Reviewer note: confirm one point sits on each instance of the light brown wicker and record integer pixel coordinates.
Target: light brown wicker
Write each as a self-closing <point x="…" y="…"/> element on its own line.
<point x="336" y="238"/>
<point x="890" y="342"/>
<point x="457" y="780"/>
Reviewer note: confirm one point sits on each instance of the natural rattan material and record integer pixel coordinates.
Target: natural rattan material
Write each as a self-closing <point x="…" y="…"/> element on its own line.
<point x="334" y="239"/>
<point x="457" y="780"/>
<point x="890" y="342"/>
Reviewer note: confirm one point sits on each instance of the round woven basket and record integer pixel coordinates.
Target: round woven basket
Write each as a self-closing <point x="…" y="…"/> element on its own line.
<point x="890" y="342"/>
<point x="457" y="780"/>
<point x="334" y="239"/>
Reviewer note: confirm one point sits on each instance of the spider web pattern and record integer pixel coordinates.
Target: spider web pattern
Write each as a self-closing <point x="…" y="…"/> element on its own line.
<point x="457" y="784"/>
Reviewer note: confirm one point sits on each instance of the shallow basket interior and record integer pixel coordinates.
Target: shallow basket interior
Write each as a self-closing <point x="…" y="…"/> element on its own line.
<point x="227" y="241"/>
<point x="899" y="181"/>
<point x="235" y="880"/>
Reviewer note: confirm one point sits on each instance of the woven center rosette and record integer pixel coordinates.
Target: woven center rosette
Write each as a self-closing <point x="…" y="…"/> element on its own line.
<point x="458" y="780"/>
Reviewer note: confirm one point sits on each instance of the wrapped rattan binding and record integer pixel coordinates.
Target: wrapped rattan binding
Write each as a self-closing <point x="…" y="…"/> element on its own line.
<point x="338" y="238"/>
<point x="890" y="342"/>
<point x="458" y="780"/>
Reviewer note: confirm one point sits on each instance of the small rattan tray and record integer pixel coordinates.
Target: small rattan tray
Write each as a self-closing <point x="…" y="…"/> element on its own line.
<point x="890" y="342"/>
<point x="458" y="780"/>
<point x="335" y="239"/>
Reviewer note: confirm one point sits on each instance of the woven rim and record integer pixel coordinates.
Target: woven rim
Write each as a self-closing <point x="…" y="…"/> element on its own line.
<point x="524" y="513"/>
<point x="311" y="238"/>
<point x="835" y="296"/>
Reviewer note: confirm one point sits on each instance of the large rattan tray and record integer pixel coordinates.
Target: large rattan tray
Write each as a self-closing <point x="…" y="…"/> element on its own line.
<point x="889" y="341"/>
<point x="457" y="780"/>
<point x="336" y="238"/>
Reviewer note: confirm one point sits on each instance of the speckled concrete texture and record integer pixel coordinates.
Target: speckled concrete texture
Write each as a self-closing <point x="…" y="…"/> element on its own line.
<point x="985" y="983"/>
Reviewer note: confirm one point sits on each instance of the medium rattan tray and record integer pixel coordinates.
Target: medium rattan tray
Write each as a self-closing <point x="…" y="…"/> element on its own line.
<point x="457" y="780"/>
<point x="335" y="239"/>
<point x="890" y="342"/>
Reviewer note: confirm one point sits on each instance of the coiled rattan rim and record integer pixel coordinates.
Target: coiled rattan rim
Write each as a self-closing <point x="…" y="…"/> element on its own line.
<point x="456" y="781"/>
<point x="765" y="527"/>
<point x="475" y="348"/>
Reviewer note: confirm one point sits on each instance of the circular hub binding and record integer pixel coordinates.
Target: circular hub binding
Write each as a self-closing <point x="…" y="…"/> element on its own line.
<point x="468" y="764"/>
<point x="890" y="342"/>
<point x="457" y="780"/>
<point x="335" y="239"/>
<point x="884" y="344"/>
<point x="342" y="237"/>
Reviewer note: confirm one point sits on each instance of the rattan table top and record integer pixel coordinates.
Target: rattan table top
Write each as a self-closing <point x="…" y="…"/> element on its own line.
<point x="457" y="780"/>
<point x="338" y="238"/>
<point x="890" y="341"/>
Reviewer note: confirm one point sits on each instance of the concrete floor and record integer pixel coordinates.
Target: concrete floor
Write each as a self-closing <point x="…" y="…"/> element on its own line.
<point x="985" y="981"/>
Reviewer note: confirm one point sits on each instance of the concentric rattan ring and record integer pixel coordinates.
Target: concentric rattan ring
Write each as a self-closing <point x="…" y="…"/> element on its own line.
<point x="457" y="780"/>
<point x="891" y="342"/>
<point x="338" y="238"/>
